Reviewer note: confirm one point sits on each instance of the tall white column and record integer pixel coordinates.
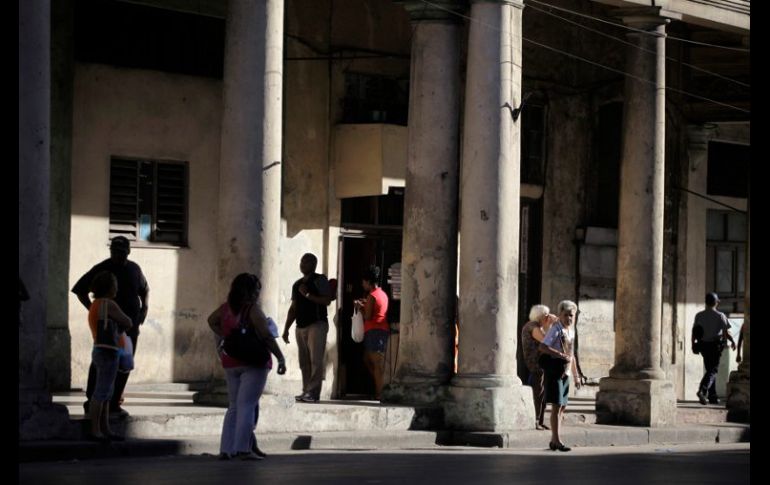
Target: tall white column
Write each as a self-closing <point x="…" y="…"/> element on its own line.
<point x="38" y="417"/>
<point x="250" y="163"/>
<point x="636" y="391"/>
<point x="429" y="254"/>
<point x="486" y="393"/>
<point x="694" y="250"/>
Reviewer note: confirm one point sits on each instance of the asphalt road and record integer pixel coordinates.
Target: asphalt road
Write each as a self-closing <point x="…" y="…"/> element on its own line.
<point x="692" y="464"/>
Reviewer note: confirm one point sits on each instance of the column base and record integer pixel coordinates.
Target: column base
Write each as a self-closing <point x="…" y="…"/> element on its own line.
<point x="739" y="397"/>
<point x="489" y="408"/>
<point x="639" y="402"/>
<point x="41" y="419"/>
<point x="415" y="391"/>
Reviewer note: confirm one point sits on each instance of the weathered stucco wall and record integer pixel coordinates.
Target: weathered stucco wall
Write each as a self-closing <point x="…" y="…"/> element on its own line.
<point x="150" y="115"/>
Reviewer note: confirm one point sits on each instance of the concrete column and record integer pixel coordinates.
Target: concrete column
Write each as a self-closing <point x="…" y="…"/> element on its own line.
<point x="429" y="254"/>
<point x="698" y="137"/>
<point x="739" y="385"/>
<point x="486" y="394"/>
<point x="637" y="391"/>
<point x="38" y="417"/>
<point x="58" y="337"/>
<point x="250" y="163"/>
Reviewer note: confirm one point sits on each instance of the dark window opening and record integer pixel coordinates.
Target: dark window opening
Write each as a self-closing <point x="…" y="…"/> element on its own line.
<point x="728" y="170"/>
<point x="372" y="98"/>
<point x="148" y="200"/>
<point x="532" y="144"/>
<point x="381" y="210"/>
<point x="603" y="183"/>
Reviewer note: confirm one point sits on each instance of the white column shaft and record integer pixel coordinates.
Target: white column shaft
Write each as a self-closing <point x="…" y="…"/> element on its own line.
<point x="250" y="164"/>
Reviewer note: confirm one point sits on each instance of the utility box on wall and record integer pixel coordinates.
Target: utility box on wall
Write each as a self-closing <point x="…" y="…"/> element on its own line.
<point x="369" y="159"/>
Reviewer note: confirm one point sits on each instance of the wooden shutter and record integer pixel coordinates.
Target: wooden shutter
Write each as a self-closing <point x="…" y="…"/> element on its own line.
<point x="124" y="185"/>
<point x="171" y="203"/>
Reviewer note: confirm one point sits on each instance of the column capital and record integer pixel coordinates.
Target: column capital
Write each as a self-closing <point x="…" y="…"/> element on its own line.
<point x="645" y="18"/>
<point x="434" y="10"/>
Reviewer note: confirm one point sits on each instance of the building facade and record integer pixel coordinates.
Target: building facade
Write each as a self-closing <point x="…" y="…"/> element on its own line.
<point x="488" y="155"/>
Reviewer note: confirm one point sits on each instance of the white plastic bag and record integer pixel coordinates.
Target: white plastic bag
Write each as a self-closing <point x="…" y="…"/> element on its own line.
<point x="357" y="327"/>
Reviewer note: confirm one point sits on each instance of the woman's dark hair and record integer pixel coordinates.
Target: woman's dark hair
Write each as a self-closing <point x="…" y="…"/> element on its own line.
<point x="243" y="287"/>
<point x="372" y="275"/>
<point x="103" y="283"/>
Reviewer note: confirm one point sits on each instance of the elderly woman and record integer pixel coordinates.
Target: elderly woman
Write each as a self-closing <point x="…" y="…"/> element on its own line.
<point x="559" y="344"/>
<point x="532" y="334"/>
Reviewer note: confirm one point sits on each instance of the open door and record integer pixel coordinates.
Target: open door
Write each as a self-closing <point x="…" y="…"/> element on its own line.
<point x="357" y="252"/>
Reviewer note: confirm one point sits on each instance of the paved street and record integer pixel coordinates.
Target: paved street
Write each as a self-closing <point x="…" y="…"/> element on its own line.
<point x="695" y="464"/>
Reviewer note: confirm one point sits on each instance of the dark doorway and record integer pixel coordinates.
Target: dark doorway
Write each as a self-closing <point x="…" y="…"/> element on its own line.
<point x="371" y="234"/>
<point x="530" y="269"/>
<point x="358" y="251"/>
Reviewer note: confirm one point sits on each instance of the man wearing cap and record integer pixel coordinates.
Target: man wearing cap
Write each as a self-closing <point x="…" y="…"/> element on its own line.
<point x="132" y="298"/>
<point x="711" y="330"/>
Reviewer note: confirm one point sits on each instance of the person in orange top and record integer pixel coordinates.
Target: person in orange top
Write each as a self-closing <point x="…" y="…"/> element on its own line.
<point x="376" y="328"/>
<point x="107" y="323"/>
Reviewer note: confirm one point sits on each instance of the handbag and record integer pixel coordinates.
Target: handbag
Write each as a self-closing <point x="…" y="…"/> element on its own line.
<point x="244" y="344"/>
<point x="553" y="365"/>
<point x="126" y="355"/>
<point x="357" y="326"/>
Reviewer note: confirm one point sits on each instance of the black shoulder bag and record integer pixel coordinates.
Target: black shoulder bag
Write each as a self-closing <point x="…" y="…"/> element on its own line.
<point x="244" y="344"/>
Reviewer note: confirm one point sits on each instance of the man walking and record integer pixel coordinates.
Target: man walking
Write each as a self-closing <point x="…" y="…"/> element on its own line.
<point x="710" y="331"/>
<point x="132" y="299"/>
<point x="310" y="295"/>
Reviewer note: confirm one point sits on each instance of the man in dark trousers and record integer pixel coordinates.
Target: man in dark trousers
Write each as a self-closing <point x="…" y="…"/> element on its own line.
<point x="711" y="332"/>
<point x="310" y="295"/>
<point x="131" y="298"/>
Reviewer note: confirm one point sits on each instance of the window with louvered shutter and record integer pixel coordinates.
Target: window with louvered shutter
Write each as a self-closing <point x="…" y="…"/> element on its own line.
<point x="124" y="197"/>
<point x="148" y="201"/>
<point x="171" y="203"/>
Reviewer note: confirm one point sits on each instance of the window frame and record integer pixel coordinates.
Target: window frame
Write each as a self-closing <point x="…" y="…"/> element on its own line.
<point x="156" y="164"/>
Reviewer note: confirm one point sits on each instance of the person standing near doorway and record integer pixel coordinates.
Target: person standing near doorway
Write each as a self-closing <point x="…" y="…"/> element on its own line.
<point x="310" y="295"/>
<point x="559" y="343"/>
<point x="711" y="330"/>
<point x="532" y="335"/>
<point x="132" y="298"/>
<point x="374" y="308"/>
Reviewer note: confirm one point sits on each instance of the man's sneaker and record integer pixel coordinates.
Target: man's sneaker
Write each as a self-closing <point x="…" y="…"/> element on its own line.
<point x="713" y="400"/>
<point x="701" y="397"/>
<point x="308" y="398"/>
<point x="298" y="397"/>
<point x="224" y="456"/>
<point x="118" y="412"/>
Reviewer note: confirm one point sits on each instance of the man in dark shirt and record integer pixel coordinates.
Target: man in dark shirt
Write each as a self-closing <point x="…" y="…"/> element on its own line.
<point x="310" y="295"/>
<point x="132" y="298"/>
<point x="711" y="331"/>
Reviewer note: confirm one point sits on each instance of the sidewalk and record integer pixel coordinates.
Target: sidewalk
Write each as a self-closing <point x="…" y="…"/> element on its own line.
<point x="164" y="421"/>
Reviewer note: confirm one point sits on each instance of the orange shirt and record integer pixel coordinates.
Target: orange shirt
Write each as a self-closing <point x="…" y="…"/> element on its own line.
<point x="93" y="320"/>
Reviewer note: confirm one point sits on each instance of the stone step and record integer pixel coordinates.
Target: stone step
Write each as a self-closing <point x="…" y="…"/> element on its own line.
<point x="693" y="412"/>
<point x="161" y="415"/>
